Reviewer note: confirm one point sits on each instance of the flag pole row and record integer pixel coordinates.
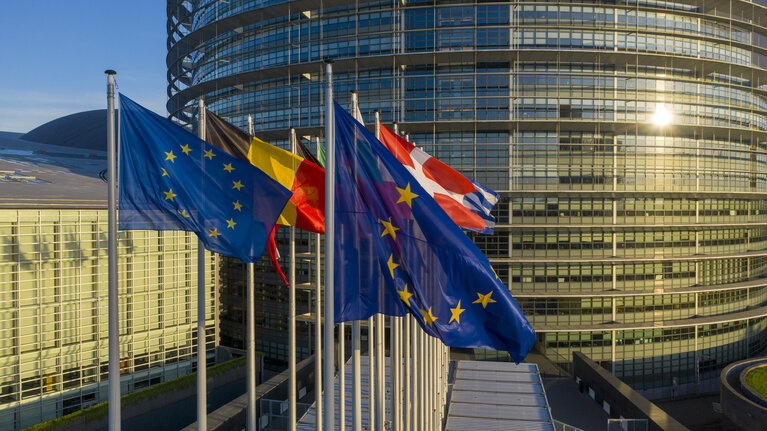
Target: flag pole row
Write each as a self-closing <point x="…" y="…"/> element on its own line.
<point x="417" y="362"/>
<point x="417" y="377"/>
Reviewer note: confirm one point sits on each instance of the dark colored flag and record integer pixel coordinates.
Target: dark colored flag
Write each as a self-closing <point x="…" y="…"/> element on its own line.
<point x="397" y="252"/>
<point x="172" y="180"/>
<point x="304" y="152"/>
<point x="224" y="135"/>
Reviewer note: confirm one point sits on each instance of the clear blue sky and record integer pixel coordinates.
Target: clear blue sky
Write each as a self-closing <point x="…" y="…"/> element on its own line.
<point x="53" y="54"/>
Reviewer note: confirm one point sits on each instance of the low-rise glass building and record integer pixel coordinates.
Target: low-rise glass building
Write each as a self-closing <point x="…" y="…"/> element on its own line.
<point x="53" y="284"/>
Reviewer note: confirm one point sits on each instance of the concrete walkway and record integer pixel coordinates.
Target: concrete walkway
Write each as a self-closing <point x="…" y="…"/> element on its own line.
<point x="572" y="407"/>
<point x="696" y="413"/>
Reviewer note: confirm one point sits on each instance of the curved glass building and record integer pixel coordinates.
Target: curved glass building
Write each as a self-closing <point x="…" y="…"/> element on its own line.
<point x="627" y="138"/>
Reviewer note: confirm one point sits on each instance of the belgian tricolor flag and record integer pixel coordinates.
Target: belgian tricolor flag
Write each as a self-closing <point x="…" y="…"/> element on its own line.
<point x="306" y="209"/>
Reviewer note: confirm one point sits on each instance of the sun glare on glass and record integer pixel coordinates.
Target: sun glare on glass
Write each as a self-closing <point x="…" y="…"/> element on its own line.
<point x="662" y="116"/>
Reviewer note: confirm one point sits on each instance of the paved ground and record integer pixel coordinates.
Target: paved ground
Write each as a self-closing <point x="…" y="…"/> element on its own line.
<point x="177" y="415"/>
<point x="572" y="407"/>
<point x="696" y="413"/>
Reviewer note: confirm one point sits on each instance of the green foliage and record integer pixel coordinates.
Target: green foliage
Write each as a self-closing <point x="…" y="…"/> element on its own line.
<point x="757" y="380"/>
<point x="98" y="411"/>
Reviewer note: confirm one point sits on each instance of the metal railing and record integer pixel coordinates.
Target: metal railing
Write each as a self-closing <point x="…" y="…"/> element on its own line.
<point x="561" y="426"/>
<point x="273" y="414"/>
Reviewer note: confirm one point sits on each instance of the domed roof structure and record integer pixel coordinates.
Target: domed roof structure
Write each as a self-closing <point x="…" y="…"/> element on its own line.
<point x="86" y="130"/>
<point x="58" y="164"/>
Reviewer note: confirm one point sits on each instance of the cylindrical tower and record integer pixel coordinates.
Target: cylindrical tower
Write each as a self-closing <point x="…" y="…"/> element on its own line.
<point x="628" y="141"/>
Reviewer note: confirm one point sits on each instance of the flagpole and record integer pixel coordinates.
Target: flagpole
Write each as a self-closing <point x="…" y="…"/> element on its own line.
<point x="415" y="388"/>
<point x="433" y="375"/>
<point x="422" y="378"/>
<point x="440" y="367"/>
<point x="341" y="378"/>
<point x="419" y="379"/>
<point x="380" y="353"/>
<point x="113" y="299"/>
<point x="394" y="364"/>
<point x="356" y="366"/>
<point x="425" y="365"/>
<point x="446" y="367"/>
<point x="250" y="341"/>
<point x="251" y="351"/>
<point x="371" y="375"/>
<point x="397" y="325"/>
<point x="431" y="368"/>
<point x="435" y="380"/>
<point x="357" y="378"/>
<point x="318" y="327"/>
<point x="406" y="355"/>
<point x="202" y="391"/>
<point x="408" y="406"/>
<point x="292" y="314"/>
<point x="414" y="423"/>
<point x="438" y="374"/>
<point x="330" y="167"/>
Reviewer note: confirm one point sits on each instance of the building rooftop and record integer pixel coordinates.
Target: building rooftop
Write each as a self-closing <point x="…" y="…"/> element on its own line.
<point x="56" y="165"/>
<point x="498" y="396"/>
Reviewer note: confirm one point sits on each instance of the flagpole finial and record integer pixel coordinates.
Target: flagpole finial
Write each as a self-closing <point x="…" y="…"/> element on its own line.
<point x="328" y="61"/>
<point x="353" y="92"/>
<point x="110" y="72"/>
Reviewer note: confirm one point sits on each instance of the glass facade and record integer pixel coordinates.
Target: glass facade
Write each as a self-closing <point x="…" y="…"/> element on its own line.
<point x="53" y="311"/>
<point x="627" y="139"/>
<point x="270" y="303"/>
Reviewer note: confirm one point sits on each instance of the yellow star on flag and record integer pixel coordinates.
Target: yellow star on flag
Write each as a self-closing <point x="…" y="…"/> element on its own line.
<point x="185" y="149"/>
<point x="456" y="313"/>
<point x="496" y="274"/>
<point x="390" y="263"/>
<point x="237" y="205"/>
<point x="405" y="195"/>
<point x="484" y="299"/>
<point x="230" y="223"/>
<point x="428" y="317"/>
<point x="237" y="185"/>
<point x="169" y="195"/>
<point x="228" y="167"/>
<point x="209" y="154"/>
<point x="184" y="213"/>
<point x="164" y="172"/>
<point x="170" y="156"/>
<point x="404" y="295"/>
<point x="389" y="229"/>
<point x="214" y="233"/>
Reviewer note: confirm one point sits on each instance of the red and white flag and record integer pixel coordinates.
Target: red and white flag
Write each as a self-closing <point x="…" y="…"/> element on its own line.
<point x="466" y="202"/>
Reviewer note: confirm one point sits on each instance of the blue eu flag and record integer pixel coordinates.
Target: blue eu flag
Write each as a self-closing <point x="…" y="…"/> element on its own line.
<point x="172" y="180"/>
<point x="398" y="252"/>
